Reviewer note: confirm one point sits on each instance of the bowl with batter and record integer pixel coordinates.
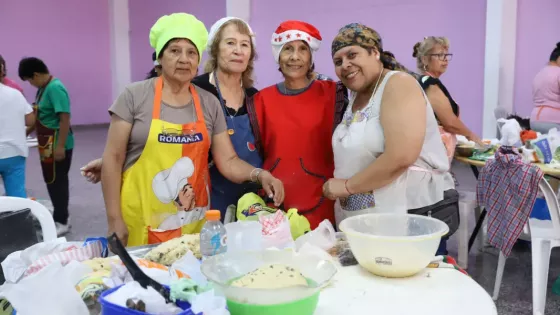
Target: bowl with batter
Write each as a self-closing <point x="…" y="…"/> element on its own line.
<point x="270" y="281"/>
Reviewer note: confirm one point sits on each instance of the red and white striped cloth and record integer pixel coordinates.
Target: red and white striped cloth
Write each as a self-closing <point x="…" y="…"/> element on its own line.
<point x="72" y="252"/>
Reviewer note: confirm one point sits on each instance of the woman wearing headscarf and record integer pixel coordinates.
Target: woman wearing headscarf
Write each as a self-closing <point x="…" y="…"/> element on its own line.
<point x="388" y="153"/>
<point x="546" y="95"/>
<point x="293" y="122"/>
<point x="155" y="165"/>
<point x="229" y="76"/>
<point x="432" y="58"/>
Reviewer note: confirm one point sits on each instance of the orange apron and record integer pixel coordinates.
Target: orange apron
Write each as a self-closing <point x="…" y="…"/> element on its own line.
<point x="174" y="163"/>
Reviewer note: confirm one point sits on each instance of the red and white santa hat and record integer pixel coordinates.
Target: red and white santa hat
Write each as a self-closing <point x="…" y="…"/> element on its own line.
<point x="290" y="31"/>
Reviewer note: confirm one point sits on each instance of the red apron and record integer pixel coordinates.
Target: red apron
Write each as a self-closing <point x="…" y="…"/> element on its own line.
<point x="295" y="133"/>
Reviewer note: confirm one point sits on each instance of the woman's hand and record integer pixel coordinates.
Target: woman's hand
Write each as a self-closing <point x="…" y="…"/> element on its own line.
<point x="92" y="171"/>
<point x="335" y="188"/>
<point x="272" y="186"/>
<point x="118" y="226"/>
<point x="473" y="137"/>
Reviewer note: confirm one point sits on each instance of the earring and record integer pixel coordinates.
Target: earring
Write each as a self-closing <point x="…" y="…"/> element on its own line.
<point x="425" y="67"/>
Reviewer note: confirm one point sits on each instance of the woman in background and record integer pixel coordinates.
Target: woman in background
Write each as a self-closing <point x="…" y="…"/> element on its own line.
<point x="293" y="122"/>
<point x="546" y="95"/>
<point x="432" y="58"/>
<point x="381" y="166"/>
<point x="4" y="78"/>
<point x="54" y="135"/>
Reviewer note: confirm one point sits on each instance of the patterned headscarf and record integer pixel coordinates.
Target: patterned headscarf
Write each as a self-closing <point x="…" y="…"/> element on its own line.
<point x="356" y="34"/>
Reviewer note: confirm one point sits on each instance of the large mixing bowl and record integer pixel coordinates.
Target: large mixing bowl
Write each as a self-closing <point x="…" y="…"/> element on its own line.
<point x="223" y="269"/>
<point x="393" y="245"/>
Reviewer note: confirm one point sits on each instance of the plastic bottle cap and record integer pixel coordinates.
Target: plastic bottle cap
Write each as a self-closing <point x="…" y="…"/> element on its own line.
<point x="213" y="215"/>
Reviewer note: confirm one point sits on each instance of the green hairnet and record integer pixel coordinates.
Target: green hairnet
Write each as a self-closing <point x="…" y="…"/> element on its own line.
<point x="178" y="25"/>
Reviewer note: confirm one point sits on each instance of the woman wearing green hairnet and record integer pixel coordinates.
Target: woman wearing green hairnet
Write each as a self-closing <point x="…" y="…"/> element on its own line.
<point x="155" y="164"/>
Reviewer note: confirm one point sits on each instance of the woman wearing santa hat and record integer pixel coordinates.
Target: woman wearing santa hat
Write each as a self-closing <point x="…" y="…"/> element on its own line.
<point x="293" y="122"/>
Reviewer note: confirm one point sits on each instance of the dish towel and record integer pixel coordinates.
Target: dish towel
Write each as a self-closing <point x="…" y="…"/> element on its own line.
<point x="507" y="188"/>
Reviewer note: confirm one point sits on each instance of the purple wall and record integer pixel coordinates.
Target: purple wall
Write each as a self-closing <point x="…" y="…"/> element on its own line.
<point x="73" y="39"/>
<point x="144" y="13"/>
<point x="401" y="24"/>
<point x="537" y="35"/>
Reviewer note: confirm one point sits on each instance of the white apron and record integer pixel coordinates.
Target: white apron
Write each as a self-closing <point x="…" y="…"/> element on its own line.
<point x="359" y="140"/>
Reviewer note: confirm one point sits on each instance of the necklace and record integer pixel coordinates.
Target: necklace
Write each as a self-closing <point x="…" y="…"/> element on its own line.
<point x="231" y="130"/>
<point x="374" y="90"/>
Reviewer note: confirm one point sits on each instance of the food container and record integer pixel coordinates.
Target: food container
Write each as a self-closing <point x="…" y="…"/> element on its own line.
<point x="225" y="268"/>
<point x="112" y="309"/>
<point x="393" y="245"/>
<point x="464" y="151"/>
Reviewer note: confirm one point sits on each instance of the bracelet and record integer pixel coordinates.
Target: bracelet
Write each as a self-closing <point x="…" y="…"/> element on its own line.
<point x="346" y="186"/>
<point x="258" y="172"/>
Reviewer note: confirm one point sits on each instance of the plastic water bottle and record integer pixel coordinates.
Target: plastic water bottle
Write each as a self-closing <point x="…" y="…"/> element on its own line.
<point x="213" y="235"/>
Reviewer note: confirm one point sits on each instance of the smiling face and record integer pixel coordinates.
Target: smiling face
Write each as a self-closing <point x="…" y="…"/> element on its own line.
<point x="295" y="59"/>
<point x="179" y="60"/>
<point x="357" y="68"/>
<point x="234" y="50"/>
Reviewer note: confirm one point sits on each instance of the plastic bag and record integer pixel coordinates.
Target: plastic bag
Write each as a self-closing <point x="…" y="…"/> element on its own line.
<point x="510" y="132"/>
<point x="276" y="231"/>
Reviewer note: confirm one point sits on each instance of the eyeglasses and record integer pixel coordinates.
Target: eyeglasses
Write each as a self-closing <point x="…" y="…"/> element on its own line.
<point x="443" y="57"/>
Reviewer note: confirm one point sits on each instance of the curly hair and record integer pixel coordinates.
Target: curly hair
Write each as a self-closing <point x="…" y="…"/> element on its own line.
<point x="248" y="77"/>
<point x="423" y="48"/>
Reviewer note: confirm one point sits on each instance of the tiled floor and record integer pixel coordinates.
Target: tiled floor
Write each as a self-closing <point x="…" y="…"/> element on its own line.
<point x="88" y="219"/>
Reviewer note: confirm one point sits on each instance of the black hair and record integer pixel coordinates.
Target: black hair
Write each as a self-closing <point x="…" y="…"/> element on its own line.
<point x="2" y="67"/>
<point x="151" y="74"/>
<point x="31" y="65"/>
<point x="555" y="53"/>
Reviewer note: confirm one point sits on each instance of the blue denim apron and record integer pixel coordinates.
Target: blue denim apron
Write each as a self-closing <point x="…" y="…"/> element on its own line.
<point x="224" y="192"/>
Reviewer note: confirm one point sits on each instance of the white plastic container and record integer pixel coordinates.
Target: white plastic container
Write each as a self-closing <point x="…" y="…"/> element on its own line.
<point x="244" y="236"/>
<point x="393" y="245"/>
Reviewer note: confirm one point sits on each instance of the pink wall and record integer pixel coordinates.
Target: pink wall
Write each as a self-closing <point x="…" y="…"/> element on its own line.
<point x="401" y="24"/>
<point x="144" y="13"/>
<point x="73" y="39"/>
<point x="537" y="34"/>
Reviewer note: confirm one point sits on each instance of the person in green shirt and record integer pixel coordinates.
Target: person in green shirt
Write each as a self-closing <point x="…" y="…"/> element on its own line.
<point x="54" y="135"/>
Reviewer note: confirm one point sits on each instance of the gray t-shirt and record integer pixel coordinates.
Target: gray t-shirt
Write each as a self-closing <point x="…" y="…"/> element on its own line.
<point x="135" y="106"/>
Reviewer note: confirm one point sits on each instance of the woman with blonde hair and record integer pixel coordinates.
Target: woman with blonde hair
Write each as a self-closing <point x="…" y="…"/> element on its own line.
<point x="387" y="150"/>
<point x="229" y="76"/>
<point x="432" y="59"/>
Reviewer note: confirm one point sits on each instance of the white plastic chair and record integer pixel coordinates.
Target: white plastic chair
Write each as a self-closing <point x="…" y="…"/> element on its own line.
<point x="545" y="235"/>
<point x="39" y="211"/>
<point x="467" y="206"/>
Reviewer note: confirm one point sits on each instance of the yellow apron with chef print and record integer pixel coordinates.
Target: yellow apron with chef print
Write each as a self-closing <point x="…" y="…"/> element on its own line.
<point x="173" y="164"/>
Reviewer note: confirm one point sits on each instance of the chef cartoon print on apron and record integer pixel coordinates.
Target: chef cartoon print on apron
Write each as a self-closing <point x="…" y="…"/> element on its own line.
<point x="166" y="193"/>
